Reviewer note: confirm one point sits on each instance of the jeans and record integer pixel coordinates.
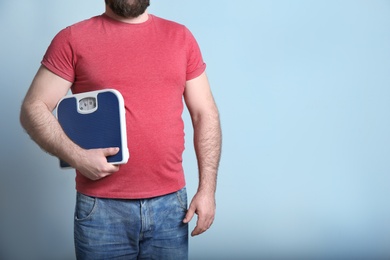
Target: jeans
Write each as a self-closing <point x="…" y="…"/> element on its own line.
<point x="131" y="229"/>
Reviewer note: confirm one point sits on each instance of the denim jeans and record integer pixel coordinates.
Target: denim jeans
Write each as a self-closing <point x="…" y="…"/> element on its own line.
<point x="131" y="229"/>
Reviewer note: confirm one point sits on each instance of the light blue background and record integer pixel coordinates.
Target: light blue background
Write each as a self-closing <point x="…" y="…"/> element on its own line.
<point x="303" y="92"/>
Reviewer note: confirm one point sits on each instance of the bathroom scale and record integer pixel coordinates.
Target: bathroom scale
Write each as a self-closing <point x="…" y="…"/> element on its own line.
<point x="95" y="119"/>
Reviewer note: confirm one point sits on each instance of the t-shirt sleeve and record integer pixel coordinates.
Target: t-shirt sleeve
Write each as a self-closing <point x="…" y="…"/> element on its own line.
<point x="195" y="64"/>
<point x="59" y="57"/>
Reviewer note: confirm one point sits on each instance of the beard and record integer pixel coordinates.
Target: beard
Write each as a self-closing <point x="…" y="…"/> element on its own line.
<point x="128" y="8"/>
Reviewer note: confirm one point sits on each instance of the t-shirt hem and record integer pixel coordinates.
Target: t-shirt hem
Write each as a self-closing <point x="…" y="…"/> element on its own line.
<point x="57" y="71"/>
<point x="196" y="73"/>
<point x="127" y="195"/>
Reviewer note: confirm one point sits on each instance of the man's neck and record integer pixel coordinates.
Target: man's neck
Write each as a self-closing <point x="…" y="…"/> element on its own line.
<point x="140" y="19"/>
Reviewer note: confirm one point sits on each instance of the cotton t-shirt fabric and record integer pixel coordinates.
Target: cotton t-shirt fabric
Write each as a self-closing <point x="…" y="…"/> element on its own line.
<point x="149" y="63"/>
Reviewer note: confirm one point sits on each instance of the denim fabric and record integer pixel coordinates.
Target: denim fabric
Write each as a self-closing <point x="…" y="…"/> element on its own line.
<point x="131" y="229"/>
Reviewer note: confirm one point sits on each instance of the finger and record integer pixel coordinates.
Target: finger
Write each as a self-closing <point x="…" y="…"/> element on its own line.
<point x="110" y="151"/>
<point x="112" y="168"/>
<point x="190" y="214"/>
<point x="197" y="231"/>
<point x="200" y="227"/>
<point x="109" y="170"/>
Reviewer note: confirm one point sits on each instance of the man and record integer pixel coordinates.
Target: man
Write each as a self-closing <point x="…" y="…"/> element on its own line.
<point x="137" y="210"/>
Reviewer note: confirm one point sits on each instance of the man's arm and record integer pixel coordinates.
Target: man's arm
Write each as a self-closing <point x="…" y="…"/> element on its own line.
<point x="37" y="118"/>
<point x="207" y="142"/>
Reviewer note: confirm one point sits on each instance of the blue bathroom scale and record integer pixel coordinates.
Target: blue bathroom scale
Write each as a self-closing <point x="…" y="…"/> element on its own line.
<point x="95" y="119"/>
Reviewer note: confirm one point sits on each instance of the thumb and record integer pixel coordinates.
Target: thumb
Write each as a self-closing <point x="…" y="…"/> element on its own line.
<point x="110" y="151"/>
<point x="189" y="215"/>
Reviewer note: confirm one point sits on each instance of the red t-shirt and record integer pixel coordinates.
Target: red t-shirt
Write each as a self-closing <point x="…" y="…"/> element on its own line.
<point x="149" y="63"/>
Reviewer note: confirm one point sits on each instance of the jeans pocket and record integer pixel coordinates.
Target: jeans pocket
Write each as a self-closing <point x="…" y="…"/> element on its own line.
<point x="85" y="207"/>
<point x="182" y="198"/>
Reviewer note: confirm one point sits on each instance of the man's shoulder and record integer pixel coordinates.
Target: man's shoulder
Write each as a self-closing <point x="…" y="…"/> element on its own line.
<point x="167" y="23"/>
<point x="82" y="29"/>
<point x="87" y="22"/>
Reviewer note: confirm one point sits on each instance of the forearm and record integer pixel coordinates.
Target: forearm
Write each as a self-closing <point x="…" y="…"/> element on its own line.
<point x="207" y="143"/>
<point x="45" y="130"/>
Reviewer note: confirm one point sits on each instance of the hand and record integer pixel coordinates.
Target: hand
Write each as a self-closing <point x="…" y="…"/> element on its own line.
<point x="203" y="205"/>
<point x="93" y="163"/>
